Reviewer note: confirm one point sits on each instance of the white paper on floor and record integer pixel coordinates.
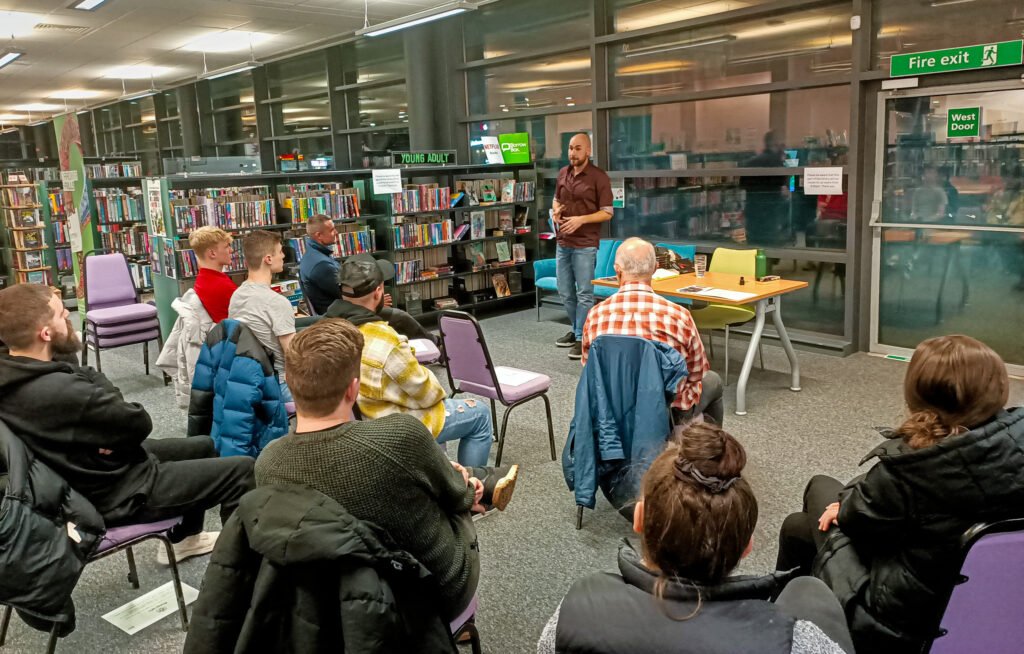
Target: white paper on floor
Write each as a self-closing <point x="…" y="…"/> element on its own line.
<point x="143" y="611"/>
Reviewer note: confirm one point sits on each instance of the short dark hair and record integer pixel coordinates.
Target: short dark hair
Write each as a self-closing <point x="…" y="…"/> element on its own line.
<point x="316" y="223"/>
<point x="321" y="361"/>
<point x="24" y="310"/>
<point x="258" y="244"/>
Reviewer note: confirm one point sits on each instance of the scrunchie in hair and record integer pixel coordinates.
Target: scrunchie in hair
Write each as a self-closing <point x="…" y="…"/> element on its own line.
<point x="685" y="468"/>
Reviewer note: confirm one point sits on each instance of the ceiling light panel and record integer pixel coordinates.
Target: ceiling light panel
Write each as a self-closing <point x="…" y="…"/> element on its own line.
<point x="136" y="72"/>
<point x="16" y="23"/>
<point x="74" y="94"/>
<point x="227" y="41"/>
<point x="12" y="117"/>
<point x="37" y="106"/>
<point x="87" y="5"/>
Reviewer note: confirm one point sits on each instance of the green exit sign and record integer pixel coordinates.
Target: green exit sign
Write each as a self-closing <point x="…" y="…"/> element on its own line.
<point x="963" y="122"/>
<point x="971" y="57"/>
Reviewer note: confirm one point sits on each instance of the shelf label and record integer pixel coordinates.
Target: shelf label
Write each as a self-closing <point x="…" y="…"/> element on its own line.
<point x="970" y="57"/>
<point x="963" y="122"/>
<point x="387" y="180"/>
<point x="515" y="148"/>
<point x="423" y="158"/>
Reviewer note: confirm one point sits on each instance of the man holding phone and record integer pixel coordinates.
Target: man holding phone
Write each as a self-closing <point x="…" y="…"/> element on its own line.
<point x="583" y="200"/>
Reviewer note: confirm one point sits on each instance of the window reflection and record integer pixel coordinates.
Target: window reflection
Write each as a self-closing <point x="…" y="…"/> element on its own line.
<point x="555" y="81"/>
<point x="549" y="136"/>
<point x="509" y="28"/>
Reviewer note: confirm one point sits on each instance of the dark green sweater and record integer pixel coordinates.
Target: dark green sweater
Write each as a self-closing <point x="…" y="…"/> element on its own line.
<point x="390" y="472"/>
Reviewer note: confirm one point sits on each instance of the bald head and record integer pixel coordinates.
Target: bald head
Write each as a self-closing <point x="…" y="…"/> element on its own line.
<point x="635" y="261"/>
<point x="579" y="150"/>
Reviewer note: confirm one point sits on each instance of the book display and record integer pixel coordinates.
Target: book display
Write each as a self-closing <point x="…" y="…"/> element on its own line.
<point x="25" y="249"/>
<point x="120" y="222"/>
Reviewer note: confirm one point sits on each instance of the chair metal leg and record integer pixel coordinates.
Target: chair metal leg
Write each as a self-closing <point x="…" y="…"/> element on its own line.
<point x="133" y="573"/>
<point x="145" y="356"/>
<point x="474" y="635"/>
<point x="51" y="645"/>
<point x="551" y="430"/>
<point x="579" y="517"/>
<point x="85" y="345"/>
<point x="711" y="342"/>
<point x="501" y="436"/>
<point x="182" y="609"/>
<point x="3" y="625"/>
<point x="760" y="353"/>
<point x="536" y="293"/>
<point x="494" y="422"/>
<point x="99" y="366"/>
<point x="725" y="382"/>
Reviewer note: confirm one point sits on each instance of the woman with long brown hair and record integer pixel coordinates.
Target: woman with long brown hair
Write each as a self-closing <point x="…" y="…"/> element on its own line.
<point x="695" y="518"/>
<point x="888" y="542"/>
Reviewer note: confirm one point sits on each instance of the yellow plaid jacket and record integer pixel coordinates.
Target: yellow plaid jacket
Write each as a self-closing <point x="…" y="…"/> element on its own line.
<point x="393" y="381"/>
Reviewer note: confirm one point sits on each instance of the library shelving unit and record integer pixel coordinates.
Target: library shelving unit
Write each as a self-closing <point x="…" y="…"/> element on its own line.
<point x="432" y="264"/>
<point x="59" y="239"/>
<point x="25" y="251"/>
<point x="119" y="223"/>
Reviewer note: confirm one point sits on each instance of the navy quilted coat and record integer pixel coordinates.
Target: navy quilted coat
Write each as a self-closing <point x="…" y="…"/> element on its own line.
<point x="236" y="397"/>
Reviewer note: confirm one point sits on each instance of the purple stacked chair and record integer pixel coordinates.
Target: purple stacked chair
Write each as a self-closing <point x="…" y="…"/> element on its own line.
<point x="114" y="315"/>
<point x="466" y="624"/>
<point x="983" y="613"/>
<point x="468" y="362"/>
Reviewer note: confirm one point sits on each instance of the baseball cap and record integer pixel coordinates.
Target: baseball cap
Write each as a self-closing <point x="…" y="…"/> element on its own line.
<point x="363" y="273"/>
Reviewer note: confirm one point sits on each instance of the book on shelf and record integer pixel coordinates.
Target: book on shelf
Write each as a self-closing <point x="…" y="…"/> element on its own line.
<point x="61" y="236"/>
<point x="55" y="201"/>
<point x="508" y="190"/>
<point x="487" y="193"/>
<point x="486" y="190"/>
<point x="168" y="263"/>
<point x="420" y="234"/>
<point x="500" y="285"/>
<point x="37" y="277"/>
<point x="29" y="238"/>
<point x="478" y="223"/>
<point x="445" y="303"/>
<point x="31" y="259"/>
<point x="20" y="196"/>
<point x="142" y="274"/>
<point x="515" y="282"/>
<point x="520" y="218"/>
<point x="461" y="231"/>
<point x="307" y="200"/>
<point x="503" y="251"/>
<point x="65" y="260"/>
<point x="118" y="206"/>
<point x="475" y="254"/>
<point x="505" y="220"/>
<point x="421" y="197"/>
<point x="23" y="218"/>
<point x="519" y="252"/>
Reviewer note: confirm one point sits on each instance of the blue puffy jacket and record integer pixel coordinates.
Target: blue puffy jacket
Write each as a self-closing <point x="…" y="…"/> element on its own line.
<point x="621" y="421"/>
<point x="236" y="396"/>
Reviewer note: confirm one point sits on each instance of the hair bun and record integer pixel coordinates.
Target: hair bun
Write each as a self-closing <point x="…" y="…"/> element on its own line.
<point x="924" y="428"/>
<point x="686" y="469"/>
<point x="712" y="450"/>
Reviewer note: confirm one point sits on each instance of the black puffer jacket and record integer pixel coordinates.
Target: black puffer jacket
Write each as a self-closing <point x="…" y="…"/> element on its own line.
<point x="896" y="552"/>
<point x="294" y="572"/>
<point x="47" y="531"/>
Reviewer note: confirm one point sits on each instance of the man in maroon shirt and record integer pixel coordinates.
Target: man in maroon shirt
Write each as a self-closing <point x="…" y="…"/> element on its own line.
<point x="213" y="252"/>
<point x="583" y="200"/>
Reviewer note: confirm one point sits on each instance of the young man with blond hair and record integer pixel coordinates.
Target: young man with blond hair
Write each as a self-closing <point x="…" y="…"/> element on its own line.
<point x="268" y="314"/>
<point x="388" y="471"/>
<point x="212" y="246"/>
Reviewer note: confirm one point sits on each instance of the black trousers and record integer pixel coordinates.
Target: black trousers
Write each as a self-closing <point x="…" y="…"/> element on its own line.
<point x="800" y="538"/>
<point x="808" y="598"/>
<point x="190" y="479"/>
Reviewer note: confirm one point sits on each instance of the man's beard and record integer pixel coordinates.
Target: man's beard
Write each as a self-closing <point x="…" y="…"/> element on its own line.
<point x="380" y="305"/>
<point x="68" y="344"/>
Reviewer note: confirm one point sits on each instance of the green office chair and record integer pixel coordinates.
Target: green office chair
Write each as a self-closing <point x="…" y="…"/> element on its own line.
<point x="723" y="316"/>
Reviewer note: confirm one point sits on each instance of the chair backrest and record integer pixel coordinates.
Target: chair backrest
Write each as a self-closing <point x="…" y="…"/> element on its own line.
<point x="309" y="301"/>
<point x="733" y="262"/>
<point x="466" y="355"/>
<point x="108" y="283"/>
<point x="605" y="264"/>
<point x="983" y="613"/>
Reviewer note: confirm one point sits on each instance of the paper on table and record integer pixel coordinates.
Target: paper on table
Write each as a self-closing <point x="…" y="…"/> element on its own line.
<point x="143" y="611"/>
<point x="513" y="377"/>
<point x="661" y="273"/>
<point x="735" y="296"/>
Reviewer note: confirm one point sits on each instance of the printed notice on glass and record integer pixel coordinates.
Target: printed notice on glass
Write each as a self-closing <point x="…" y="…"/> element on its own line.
<point x="387" y="180"/>
<point x="74" y="231"/>
<point x="155" y="204"/>
<point x="618" y="193"/>
<point x="143" y="611"/>
<point x="68" y="179"/>
<point x="823" y="181"/>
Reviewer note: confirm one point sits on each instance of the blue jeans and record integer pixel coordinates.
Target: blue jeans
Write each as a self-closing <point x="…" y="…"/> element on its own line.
<point x="286" y="393"/>
<point x="575" y="270"/>
<point x="471" y="426"/>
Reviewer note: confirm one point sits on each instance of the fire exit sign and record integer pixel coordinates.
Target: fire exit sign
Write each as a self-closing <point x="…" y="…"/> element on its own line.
<point x="971" y="57"/>
<point x="963" y="122"/>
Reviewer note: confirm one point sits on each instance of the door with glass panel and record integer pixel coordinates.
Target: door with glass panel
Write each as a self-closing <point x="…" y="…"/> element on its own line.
<point x="948" y="218"/>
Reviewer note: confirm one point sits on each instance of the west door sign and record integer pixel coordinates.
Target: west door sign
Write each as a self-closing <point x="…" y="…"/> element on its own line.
<point x="963" y="122"/>
<point x="970" y="57"/>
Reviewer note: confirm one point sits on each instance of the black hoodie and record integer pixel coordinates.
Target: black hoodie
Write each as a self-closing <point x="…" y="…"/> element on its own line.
<point x="65" y="414"/>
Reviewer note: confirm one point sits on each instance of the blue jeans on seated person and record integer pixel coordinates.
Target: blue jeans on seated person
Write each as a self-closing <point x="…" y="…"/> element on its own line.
<point x="470" y="424"/>
<point x="575" y="270"/>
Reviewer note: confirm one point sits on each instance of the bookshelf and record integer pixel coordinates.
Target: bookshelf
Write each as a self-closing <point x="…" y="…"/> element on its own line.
<point x="57" y="235"/>
<point x="119" y="223"/>
<point x="25" y="253"/>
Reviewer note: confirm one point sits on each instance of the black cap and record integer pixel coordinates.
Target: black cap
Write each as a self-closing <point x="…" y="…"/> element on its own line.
<point x="363" y="274"/>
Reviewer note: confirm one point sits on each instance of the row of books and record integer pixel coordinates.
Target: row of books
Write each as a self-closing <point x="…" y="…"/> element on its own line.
<point x="133" y="241"/>
<point x="117" y="206"/>
<point x="409" y="235"/>
<point x="21" y="196"/>
<point x="421" y="197"/>
<point x="65" y="260"/>
<point x="337" y="203"/>
<point x="23" y="217"/>
<point x="482" y="191"/>
<point x="123" y="169"/>
<point x="56" y="203"/>
<point x="29" y="260"/>
<point x="142" y="274"/>
<point x="235" y="214"/>
<point x="60" y="233"/>
<point x="494" y="253"/>
<point x="188" y="265"/>
<point x="345" y="244"/>
<point x="27" y="239"/>
<point x="34" y="277"/>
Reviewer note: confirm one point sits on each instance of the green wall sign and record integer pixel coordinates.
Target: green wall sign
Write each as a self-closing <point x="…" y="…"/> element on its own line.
<point x="423" y="158"/>
<point x="515" y="148"/>
<point x="963" y="122"/>
<point x="970" y="57"/>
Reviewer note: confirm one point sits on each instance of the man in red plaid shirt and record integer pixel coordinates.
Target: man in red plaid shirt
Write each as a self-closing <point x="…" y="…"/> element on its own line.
<point x="636" y="310"/>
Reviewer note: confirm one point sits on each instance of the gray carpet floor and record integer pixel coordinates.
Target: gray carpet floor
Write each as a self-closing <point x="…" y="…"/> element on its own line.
<point x="531" y="553"/>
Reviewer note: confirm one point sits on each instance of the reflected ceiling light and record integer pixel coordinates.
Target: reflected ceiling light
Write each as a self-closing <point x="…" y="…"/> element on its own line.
<point x="7" y="56"/>
<point x="652" y="67"/>
<point x="437" y="13"/>
<point x="553" y="66"/>
<point x="136" y="72"/>
<point x="74" y="94"/>
<point x="37" y="106"/>
<point x="776" y="55"/>
<point x="13" y="117"/>
<point x="226" y="41"/>
<point x="798" y="25"/>
<point x="658" y="16"/>
<point x="681" y="45"/>
<point x="87" y="5"/>
<point x="943" y="3"/>
<point x="16" y="23"/>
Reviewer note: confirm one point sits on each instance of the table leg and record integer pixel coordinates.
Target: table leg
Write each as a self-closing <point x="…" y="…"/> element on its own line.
<point x="748" y="360"/>
<point x="794" y="365"/>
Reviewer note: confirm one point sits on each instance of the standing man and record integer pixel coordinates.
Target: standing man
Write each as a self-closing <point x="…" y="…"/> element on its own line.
<point x="212" y="246"/>
<point x="583" y="200"/>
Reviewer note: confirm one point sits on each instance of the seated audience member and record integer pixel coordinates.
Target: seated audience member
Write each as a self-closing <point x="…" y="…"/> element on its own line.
<point x="66" y="357"/>
<point x="893" y="549"/>
<point x="74" y="420"/>
<point x="696" y="518"/>
<point x="267" y="313"/>
<point x="392" y="381"/>
<point x="388" y="471"/>
<point x="212" y="246"/>
<point x="636" y="310"/>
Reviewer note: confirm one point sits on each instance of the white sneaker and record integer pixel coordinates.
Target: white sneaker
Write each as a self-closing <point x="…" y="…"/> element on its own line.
<point x="197" y="545"/>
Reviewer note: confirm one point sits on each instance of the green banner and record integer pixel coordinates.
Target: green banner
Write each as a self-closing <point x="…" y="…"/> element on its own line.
<point x="963" y="122"/>
<point x="515" y="148"/>
<point x="970" y="57"/>
<point x="77" y="207"/>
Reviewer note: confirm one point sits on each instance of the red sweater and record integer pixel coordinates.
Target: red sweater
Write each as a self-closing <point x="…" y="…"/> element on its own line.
<point x="215" y="289"/>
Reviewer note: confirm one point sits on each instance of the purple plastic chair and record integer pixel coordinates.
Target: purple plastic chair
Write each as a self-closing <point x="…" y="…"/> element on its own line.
<point x="114" y="315"/>
<point x="468" y="361"/>
<point x="115" y="540"/>
<point x="983" y="612"/>
<point x="466" y="624"/>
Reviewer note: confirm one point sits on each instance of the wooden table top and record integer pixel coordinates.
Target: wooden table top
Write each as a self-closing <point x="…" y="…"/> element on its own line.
<point x="724" y="281"/>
